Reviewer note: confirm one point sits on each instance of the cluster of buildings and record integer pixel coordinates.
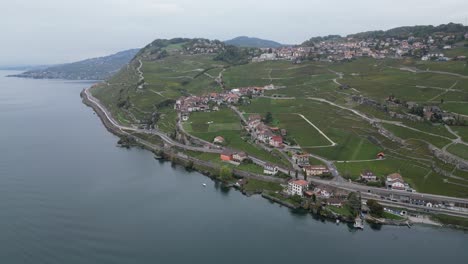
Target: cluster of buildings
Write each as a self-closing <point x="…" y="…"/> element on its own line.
<point x="348" y="48"/>
<point x="303" y="161"/>
<point x="203" y="46"/>
<point x="303" y="188"/>
<point x="260" y="132"/>
<point x="212" y="101"/>
<point x="237" y="157"/>
<point x="393" y="181"/>
<point x="431" y="113"/>
<point x="229" y="156"/>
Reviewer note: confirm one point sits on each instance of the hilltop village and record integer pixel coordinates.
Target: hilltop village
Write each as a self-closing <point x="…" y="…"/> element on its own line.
<point x="339" y="49"/>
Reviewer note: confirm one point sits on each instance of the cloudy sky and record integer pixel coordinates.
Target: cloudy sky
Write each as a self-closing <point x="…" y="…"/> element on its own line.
<point x="56" y="31"/>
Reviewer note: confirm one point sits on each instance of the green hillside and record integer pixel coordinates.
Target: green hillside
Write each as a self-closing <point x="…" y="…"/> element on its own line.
<point x="180" y="67"/>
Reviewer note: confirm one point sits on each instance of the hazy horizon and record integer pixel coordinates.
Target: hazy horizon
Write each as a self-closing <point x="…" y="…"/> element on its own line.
<point x="54" y="31"/>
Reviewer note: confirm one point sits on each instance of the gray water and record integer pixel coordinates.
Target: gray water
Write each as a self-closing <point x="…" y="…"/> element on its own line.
<point x="69" y="195"/>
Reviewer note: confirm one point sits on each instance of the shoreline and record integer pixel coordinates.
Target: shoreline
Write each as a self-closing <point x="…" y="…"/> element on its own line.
<point x="206" y="168"/>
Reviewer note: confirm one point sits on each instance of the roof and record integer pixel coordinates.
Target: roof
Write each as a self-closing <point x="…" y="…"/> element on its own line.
<point x="241" y="154"/>
<point x="276" y="138"/>
<point x="315" y="167"/>
<point x="301" y="182"/>
<point x="219" y="138"/>
<point x="367" y="173"/>
<point x="395" y="176"/>
<point x="226" y="152"/>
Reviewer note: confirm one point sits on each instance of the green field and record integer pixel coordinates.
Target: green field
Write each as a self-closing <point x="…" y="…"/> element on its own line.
<point x="170" y="77"/>
<point x="226" y="123"/>
<point x="406" y="133"/>
<point x="459" y="150"/>
<point x="254" y="185"/>
<point x="459" y="108"/>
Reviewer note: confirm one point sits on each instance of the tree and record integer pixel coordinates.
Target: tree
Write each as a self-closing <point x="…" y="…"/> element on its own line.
<point x="268" y="118"/>
<point x="354" y="202"/>
<point x="225" y="173"/>
<point x="314" y="198"/>
<point x="375" y="208"/>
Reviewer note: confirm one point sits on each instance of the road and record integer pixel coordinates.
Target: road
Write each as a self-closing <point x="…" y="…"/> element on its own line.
<point x="338" y="182"/>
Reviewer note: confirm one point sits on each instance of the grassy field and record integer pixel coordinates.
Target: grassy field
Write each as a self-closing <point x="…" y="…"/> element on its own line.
<point x="406" y="133"/>
<point x="214" y="158"/>
<point x="459" y="108"/>
<point x="462" y="131"/>
<point x="420" y="177"/>
<point x="344" y="211"/>
<point x="391" y="216"/>
<point x="459" y="150"/>
<point x="348" y="131"/>
<point x="450" y="220"/>
<point x="254" y="185"/>
<point x="226" y="123"/>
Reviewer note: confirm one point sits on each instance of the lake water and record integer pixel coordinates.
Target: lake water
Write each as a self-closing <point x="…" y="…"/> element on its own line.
<point x="69" y="195"/>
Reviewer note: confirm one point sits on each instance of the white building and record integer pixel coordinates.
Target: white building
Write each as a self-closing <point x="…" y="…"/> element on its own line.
<point x="297" y="187"/>
<point x="270" y="169"/>
<point x="395" y="181"/>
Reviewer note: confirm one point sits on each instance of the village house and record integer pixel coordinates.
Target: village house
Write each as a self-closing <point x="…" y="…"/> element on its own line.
<point x="239" y="156"/>
<point x="368" y="175"/>
<point x="380" y="155"/>
<point x="218" y="140"/>
<point x="297" y="187"/>
<point x="335" y="202"/>
<point x="395" y="182"/>
<point x="276" y="141"/>
<point x="270" y="169"/>
<point x="255" y="117"/>
<point x="301" y="159"/>
<point x="322" y="193"/>
<point x="226" y="155"/>
<point x="315" y="170"/>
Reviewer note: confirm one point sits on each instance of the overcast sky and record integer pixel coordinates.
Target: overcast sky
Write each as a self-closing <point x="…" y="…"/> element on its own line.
<point x="57" y="31"/>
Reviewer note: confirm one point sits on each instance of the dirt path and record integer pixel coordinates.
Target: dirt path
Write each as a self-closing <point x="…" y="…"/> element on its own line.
<point x="332" y="143"/>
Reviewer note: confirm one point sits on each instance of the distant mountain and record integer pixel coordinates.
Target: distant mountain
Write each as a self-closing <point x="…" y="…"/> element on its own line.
<point x="23" y="67"/>
<point x="253" y="42"/>
<point x="90" y="69"/>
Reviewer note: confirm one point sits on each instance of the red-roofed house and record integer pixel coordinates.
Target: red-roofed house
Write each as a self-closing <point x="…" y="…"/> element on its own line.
<point x="380" y="155"/>
<point x="297" y="187"/>
<point x="395" y="181"/>
<point x="226" y="155"/>
<point x="276" y="141"/>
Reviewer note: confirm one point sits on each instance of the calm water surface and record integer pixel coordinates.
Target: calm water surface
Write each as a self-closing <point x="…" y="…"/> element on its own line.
<point x="68" y="195"/>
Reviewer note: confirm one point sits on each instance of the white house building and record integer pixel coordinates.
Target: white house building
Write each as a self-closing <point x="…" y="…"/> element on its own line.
<point x="270" y="169"/>
<point x="297" y="187"/>
<point x="395" y="182"/>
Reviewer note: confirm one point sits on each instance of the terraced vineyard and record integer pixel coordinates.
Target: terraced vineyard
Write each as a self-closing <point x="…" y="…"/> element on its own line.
<point x="316" y="103"/>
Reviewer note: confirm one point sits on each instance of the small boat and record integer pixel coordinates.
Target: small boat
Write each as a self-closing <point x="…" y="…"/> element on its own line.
<point x="358" y="223"/>
<point x="337" y="221"/>
<point x="204" y="184"/>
